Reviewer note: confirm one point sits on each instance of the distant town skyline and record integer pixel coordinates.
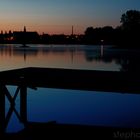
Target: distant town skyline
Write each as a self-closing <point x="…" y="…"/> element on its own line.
<point x="58" y="16"/>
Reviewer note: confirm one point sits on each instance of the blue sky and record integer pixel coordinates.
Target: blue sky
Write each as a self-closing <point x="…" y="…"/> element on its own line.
<point x="57" y="16"/>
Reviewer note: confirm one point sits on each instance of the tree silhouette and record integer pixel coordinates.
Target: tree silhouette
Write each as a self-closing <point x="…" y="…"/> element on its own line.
<point x="89" y="31"/>
<point x="89" y="35"/>
<point x="101" y="35"/>
<point x="130" y="29"/>
<point x="131" y="20"/>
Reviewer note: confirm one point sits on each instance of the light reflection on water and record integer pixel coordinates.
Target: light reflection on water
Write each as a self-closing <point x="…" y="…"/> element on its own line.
<point x="79" y="107"/>
<point x="57" y="56"/>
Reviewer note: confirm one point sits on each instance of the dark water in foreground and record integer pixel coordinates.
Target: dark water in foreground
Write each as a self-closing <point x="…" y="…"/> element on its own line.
<point x="79" y="107"/>
<point x="74" y="106"/>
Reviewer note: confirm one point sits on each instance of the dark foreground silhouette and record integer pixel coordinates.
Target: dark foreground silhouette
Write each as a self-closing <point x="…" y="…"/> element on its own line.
<point x="92" y="80"/>
<point x="65" y="79"/>
<point x="60" y="131"/>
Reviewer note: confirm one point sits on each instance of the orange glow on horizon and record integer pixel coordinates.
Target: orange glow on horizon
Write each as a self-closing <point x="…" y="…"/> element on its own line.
<point x="48" y="29"/>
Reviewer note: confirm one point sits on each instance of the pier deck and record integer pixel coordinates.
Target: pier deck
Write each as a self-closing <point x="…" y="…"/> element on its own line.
<point x="124" y="82"/>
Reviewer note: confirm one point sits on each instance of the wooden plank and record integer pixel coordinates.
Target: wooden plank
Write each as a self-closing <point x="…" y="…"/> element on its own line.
<point x="124" y="82"/>
<point x="2" y="110"/>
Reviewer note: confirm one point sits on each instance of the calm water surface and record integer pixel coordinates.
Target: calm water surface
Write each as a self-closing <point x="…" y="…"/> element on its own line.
<point x="73" y="106"/>
<point x="78" y="107"/>
<point x="57" y="56"/>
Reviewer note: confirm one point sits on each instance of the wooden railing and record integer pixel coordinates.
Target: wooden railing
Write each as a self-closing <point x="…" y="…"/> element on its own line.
<point x="122" y="82"/>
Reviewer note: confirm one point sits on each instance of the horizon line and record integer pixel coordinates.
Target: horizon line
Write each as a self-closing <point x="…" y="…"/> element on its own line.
<point x="57" y="33"/>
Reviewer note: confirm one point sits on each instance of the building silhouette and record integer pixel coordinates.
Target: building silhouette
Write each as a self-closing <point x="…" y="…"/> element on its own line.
<point x="25" y="37"/>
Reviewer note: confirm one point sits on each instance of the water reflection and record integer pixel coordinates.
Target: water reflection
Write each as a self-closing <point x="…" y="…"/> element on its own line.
<point x="69" y="56"/>
<point x="130" y="64"/>
<point x="128" y="59"/>
<point x="56" y="56"/>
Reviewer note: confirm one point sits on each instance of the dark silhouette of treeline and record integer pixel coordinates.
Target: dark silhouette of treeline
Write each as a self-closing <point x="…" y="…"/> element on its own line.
<point x="21" y="37"/>
<point x="127" y="34"/>
<point x="104" y="35"/>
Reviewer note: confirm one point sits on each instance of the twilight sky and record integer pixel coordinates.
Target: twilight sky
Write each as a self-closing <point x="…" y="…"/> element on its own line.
<point x="58" y="16"/>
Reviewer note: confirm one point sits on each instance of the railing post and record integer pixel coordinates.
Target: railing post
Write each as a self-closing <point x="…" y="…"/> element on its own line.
<point x="2" y="109"/>
<point x="23" y="103"/>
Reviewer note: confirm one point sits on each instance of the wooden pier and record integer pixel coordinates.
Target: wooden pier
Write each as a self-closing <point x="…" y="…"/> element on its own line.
<point x="121" y="82"/>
